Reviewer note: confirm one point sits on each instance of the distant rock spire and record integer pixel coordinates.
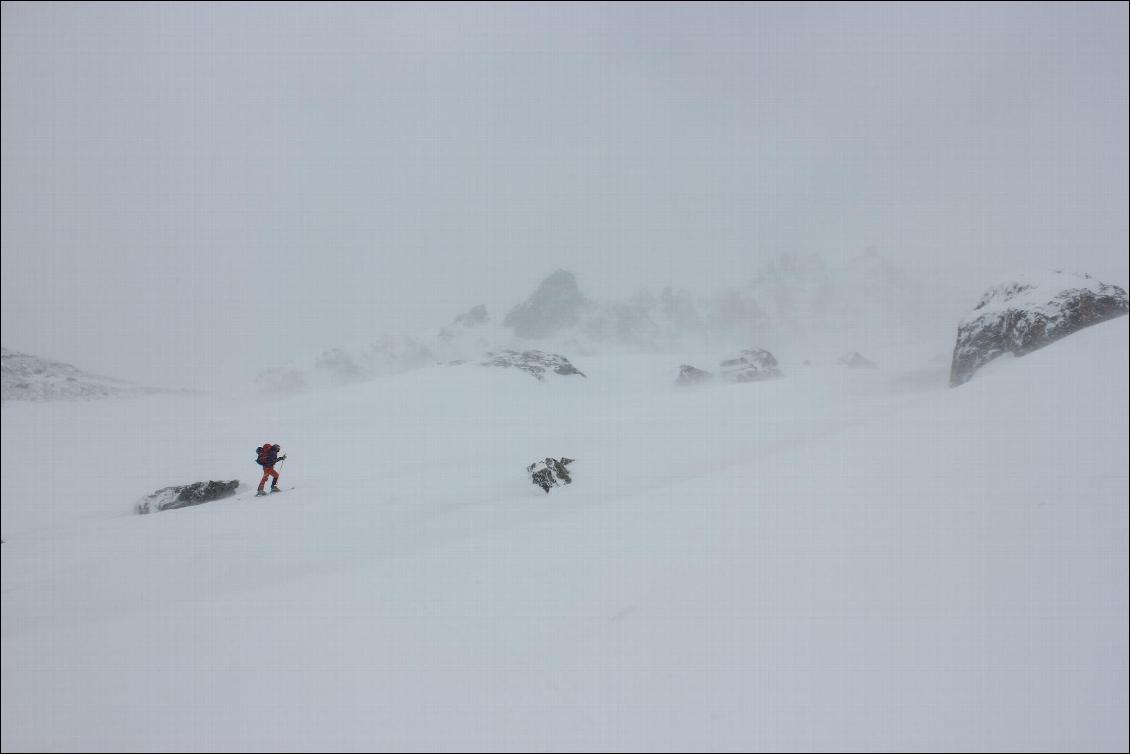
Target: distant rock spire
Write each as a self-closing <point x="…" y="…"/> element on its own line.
<point x="555" y="305"/>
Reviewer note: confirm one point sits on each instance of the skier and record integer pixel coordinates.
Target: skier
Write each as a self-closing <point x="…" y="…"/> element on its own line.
<point x="267" y="456"/>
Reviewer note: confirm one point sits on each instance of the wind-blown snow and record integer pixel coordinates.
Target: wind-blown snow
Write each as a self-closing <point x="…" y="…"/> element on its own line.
<point x="838" y="559"/>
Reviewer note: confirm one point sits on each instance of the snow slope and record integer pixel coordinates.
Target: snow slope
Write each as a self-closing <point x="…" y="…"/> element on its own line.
<point x="24" y="377"/>
<point x="838" y="559"/>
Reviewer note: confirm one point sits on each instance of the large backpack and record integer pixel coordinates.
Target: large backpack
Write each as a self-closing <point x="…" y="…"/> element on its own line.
<point x="266" y="455"/>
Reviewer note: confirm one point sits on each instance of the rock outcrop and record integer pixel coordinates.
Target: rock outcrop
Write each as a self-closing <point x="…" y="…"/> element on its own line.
<point x="170" y="498"/>
<point x="550" y="472"/>
<point x="1028" y="313"/>
<point x="751" y="365"/>
<point x="689" y="375"/>
<point x="536" y="363"/>
<point x="556" y="305"/>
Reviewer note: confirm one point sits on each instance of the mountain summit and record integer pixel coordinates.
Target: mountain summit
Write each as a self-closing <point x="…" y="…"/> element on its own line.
<point x="557" y="304"/>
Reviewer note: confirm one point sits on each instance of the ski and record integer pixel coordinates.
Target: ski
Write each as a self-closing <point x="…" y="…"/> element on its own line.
<point x="274" y="492"/>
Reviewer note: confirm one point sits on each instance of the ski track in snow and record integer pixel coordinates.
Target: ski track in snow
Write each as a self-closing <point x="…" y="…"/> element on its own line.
<point x="831" y="560"/>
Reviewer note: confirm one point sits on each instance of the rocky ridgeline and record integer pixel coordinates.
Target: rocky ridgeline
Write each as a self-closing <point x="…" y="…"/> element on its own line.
<point x="1028" y="313"/>
<point x="24" y="377"/>
<point x="791" y="296"/>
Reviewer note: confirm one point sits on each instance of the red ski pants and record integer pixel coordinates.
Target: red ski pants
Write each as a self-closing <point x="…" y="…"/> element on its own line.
<point x="268" y="472"/>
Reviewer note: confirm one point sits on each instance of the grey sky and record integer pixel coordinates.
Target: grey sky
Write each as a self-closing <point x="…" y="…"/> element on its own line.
<point x="192" y="192"/>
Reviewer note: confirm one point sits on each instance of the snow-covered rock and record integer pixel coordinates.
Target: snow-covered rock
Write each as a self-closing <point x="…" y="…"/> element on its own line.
<point x="26" y="377"/>
<point x="856" y="360"/>
<point x="1028" y="313"/>
<point x="550" y="472"/>
<point x="536" y="363"/>
<point x="751" y="365"/>
<point x="689" y="375"/>
<point x="182" y="496"/>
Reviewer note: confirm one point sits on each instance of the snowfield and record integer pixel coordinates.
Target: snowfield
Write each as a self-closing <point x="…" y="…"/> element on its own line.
<point x="836" y="559"/>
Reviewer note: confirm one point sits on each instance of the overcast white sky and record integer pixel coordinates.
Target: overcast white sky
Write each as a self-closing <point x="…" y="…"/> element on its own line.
<point x="193" y="192"/>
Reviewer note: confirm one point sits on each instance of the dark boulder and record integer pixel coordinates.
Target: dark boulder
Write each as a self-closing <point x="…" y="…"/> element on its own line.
<point x="169" y="498"/>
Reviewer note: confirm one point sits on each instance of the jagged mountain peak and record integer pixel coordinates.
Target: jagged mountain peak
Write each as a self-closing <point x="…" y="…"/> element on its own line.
<point x="557" y="304"/>
<point x="793" y="296"/>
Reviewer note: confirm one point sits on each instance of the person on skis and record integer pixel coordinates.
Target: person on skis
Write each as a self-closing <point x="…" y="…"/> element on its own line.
<point x="267" y="456"/>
